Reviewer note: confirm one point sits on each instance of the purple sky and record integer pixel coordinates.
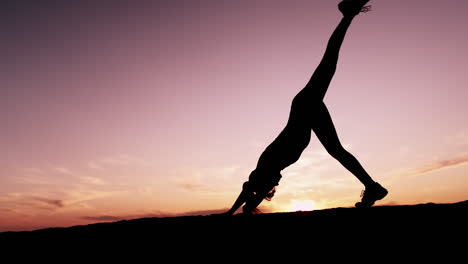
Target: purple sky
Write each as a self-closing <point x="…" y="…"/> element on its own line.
<point x="181" y="90"/>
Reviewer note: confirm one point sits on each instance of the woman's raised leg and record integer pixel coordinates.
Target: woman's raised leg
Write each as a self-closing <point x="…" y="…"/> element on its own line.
<point x="323" y="75"/>
<point x="325" y="71"/>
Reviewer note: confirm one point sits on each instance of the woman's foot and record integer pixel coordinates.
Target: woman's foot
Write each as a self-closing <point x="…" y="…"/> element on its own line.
<point x="372" y="194"/>
<point x="353" y="7"/>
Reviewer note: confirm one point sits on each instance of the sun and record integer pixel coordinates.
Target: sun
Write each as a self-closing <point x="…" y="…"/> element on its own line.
<point x="302" y="205"/>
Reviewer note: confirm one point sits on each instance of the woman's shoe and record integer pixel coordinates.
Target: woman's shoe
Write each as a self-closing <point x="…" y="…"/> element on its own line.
<point x="371" y="195"/>
<point x="353" y="7"/>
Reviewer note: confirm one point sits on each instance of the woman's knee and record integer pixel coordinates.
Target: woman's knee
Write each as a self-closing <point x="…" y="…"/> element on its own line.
<point x="337" y="151"/>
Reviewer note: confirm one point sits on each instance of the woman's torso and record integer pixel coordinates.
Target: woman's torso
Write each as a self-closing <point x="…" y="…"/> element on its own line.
<point x="295" y="137"/>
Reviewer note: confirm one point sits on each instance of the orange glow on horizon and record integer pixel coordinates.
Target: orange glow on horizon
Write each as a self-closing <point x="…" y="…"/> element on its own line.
<point x="301" y="205"/>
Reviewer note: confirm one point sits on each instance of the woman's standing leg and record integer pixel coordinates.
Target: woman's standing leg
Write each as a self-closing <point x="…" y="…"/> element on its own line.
<point x="325" y="130"/>
<point x="326" y="133"/>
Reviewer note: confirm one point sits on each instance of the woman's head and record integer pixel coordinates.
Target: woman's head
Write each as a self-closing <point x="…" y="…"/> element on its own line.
<point x="263" y="183"/>
<point x="254" y="195"/>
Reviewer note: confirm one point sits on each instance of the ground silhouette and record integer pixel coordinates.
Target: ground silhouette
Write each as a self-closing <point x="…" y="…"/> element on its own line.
<point x="423" y="223"/>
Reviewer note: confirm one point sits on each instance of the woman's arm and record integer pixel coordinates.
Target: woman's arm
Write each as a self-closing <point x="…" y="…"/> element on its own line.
<point x="241" y="199"/>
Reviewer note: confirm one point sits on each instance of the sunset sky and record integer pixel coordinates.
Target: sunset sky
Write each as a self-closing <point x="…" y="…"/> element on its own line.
<point x="117" y="109"/>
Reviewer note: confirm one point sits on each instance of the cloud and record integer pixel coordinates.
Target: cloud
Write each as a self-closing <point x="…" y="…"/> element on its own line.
<point x="192" y="182"/>
<point x="62" y="170"/>
<point x="437" y="165"/>
<point x="158" y="214"/>
<point x="117" y="160"/>
<point x="66" y="199"/>
<point x="113" y="218"/>
<point x="33" y="179"/>
<point x="463" y="138"/>
<point x="459" y="139"/>
<point x="103" y="218"/>
<point x="23" y="203"/>
<point x="312" y="163"/>
<point x="33" y="170"/>
<point x="92" y="180"/>
<point x="390" y="203"/>
<point x="122" y="160"/>
<point x="94" y="165"/>
<point x="6" y="210"/>
<point x="108" y="218"/>
<point x="204" y="212"/>
<point x="192" y="186"/>
<point x="53" y="202"/>
<point x="76" y="196"/>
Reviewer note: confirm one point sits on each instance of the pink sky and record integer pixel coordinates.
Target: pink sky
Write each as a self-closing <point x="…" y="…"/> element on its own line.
<point x="126" y="109"/>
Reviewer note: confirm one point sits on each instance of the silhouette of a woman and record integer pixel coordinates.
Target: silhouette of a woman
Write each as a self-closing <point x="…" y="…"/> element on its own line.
<point x="309" y="113"/>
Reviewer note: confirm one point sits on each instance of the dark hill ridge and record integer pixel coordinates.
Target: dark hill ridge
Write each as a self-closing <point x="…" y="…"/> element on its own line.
<point x="418" y="222"/>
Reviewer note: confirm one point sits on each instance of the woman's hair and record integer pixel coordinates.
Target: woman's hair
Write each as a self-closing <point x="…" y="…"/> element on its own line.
<point x="263" y="189"/>
<point x="250" y="205"/>
<point x="270" y="194"/>
<point x="263" y="183"/>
